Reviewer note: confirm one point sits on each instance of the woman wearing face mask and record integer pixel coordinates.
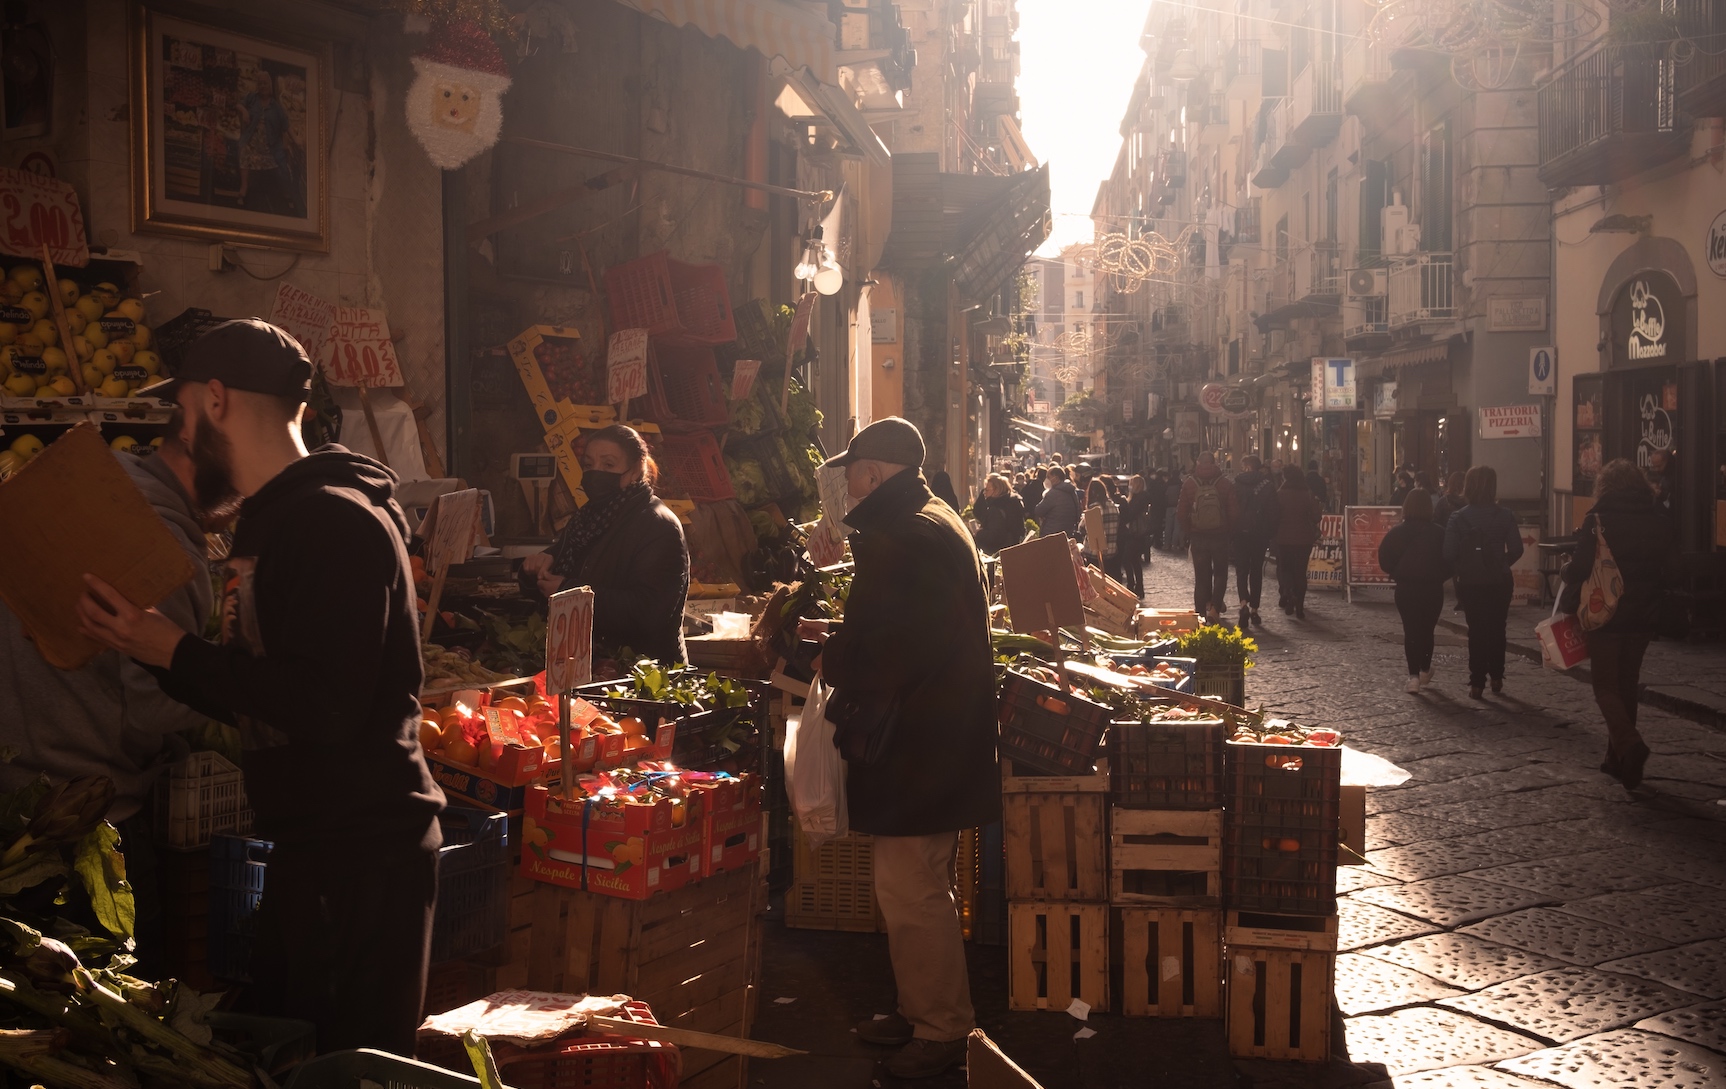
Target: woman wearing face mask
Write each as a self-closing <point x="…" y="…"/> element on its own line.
<point x="625" y="544"/>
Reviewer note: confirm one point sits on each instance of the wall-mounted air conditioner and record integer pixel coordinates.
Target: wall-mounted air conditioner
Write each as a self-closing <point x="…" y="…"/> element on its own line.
<point x="1367" y="283"/>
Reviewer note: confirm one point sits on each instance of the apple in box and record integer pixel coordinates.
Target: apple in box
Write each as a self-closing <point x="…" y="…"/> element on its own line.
<point x="617" y="846"/>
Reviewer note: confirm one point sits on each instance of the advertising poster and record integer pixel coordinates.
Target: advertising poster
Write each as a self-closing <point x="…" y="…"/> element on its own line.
<point x="1366" y="527"/>
<point x="1325" y="569"/>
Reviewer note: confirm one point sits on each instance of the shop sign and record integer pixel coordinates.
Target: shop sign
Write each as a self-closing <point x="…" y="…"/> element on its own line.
<point x="1333" y="385"/>
<point x="1211" y="398"/>
<point x="1516" y="314"/>
<point x="36" y="210"/>
<point x="1187" y="429"/>
<point x="626" y="366"/>
<point x="569" y="639"/>
<point x="884" y="325"/>
<point x="1715" y="245"/>
<point x="1237" y="403"/>
<point x="1510" y="422"/>
<point x="1543" y="371"/>
<point x="360" y="352"/>
<point x="1648" y="321"/>
<point x="1384" y="400"/>
<point x="306" y="317"/>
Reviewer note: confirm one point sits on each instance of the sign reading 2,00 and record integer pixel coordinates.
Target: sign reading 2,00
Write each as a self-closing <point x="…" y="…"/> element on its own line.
<point x="37" y="211"/>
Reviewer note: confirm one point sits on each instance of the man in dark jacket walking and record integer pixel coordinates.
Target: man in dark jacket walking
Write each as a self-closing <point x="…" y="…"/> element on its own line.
<point x="1208" y="513"/>
<point x="1257" y="495"/>
<point x="912" y="671"/>
<point x="1059" y="509"/>
<point x="319" y="668"/>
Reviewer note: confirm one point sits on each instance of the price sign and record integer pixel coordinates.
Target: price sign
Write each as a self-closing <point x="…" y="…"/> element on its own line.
<point x="359" y="352"/>
<point x="626" y="366"/>
<point x="743" y="378"/>
<point x="569" y="639"/>
<point x="36" y="210"/>
<point x="457" y="518"/>
<point x="306" y="317"/>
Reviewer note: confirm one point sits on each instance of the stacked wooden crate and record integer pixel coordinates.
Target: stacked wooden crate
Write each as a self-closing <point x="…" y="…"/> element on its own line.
<point x="1055" y="831"/>
<point x="1165" y="861"/>
<point x="1279" y="884"/>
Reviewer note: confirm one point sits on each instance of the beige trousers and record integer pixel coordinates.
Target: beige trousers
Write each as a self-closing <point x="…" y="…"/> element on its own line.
<point x="914" y="888"/>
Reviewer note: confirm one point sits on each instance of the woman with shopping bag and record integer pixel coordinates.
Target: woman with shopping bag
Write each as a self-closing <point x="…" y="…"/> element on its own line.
<point x="1615" y="584"/>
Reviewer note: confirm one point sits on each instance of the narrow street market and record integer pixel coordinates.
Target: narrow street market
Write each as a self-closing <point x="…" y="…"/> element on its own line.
<point x="641" y="544"/>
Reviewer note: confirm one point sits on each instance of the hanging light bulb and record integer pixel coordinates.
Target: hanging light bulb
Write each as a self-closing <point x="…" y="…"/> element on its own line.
<point x="813" y="250"/>
<point x="829" y="278"/>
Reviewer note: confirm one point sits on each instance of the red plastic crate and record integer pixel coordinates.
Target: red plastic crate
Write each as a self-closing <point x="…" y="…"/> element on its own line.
<point x="577" y="1062"/>
<point x="693" y="462"/>
<point x="671" y="299"/>
<point x="684" y="387"/>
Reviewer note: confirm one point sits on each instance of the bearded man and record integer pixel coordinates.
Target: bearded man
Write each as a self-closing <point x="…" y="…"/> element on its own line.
<point x="319" y="668"/>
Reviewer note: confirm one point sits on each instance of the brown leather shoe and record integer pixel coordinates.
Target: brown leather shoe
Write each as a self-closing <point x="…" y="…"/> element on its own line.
<point x="926" y="1058"/>
<point x="890" y="1031"/>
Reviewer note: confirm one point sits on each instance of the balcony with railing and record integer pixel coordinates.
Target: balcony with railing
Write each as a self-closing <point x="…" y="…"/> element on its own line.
<point x="1270" y="171"/>
<point x="1366" y="73"/>
<point x="1315" y="108"/>
<point x="1366" y="323"/>
<point x="1243" y="64"/>
<point x="1287" y="152"/>
<point x="1702" y="77"/>
<point x="1610" y="114"/>
<point x="1422" y="289"/>
<point x="1247" y="219"/>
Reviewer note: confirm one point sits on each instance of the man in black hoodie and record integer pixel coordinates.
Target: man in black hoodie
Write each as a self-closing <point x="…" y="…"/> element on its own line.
<point x="319" y="668"/>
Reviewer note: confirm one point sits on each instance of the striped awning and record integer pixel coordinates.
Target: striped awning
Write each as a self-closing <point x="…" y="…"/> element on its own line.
<point x="773" y="28"/>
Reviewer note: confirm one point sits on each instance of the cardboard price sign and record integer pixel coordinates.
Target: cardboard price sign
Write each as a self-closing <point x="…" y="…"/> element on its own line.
<point x="360" y="352"/>
<point x="569" y="640"/>
<point x="457" y="520"/>
<point x="626" y="366"/>
<point x="37" y="211"/>
<point x="306" y="317"/>
<point x="1040" y="586"/>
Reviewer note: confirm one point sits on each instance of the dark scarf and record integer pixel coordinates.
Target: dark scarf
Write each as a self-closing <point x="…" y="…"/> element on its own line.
<point x="592" y="522"/>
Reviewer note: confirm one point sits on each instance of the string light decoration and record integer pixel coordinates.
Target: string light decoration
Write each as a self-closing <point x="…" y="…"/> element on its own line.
<point x="1131" y="261"/>
<point x="1484" y="39"/>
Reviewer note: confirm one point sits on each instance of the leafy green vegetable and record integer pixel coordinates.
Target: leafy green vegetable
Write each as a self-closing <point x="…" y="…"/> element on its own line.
<point x="102" y="870"/>
<point x="1214" y="644"/>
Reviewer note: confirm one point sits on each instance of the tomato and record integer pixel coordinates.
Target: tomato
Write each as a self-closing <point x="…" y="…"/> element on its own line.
<point x="1288" y="844"/>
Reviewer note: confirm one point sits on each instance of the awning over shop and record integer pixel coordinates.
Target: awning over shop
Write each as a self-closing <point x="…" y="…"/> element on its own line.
<point x="1028" y="425"/>
<point x="805" y="97"/>
<point x="770" y="27"/>
<point x="1371" y="367"/>
<point x="982" y="226"/>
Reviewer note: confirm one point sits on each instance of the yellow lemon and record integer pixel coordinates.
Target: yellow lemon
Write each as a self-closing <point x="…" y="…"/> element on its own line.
<point x="123" y="443"/>
<point x="141" y="334"/>
<point x="62" y="386"/>
<point x="104" y="360"/>
<point x="69" y="292"/>
<point x="91" y="307"/>
<point x="56" y="360"/>
<point x="75" y="320"/>
<point x="123" y="350"/>
<point x="36" y="303"/>
<point x="150" y="361"/>
<point x="92" y="376"/>
<point x="106" y="294"/>
<point x="114" y="387"/>
<point x="26" y="446"/>
<point x="81" y="347"/>
<point x="156" y="443"/>
<point x="131" y="308"/>
<point x="46" y="331"/>
<point x="21" y="385"/>
<point x="96" y="335"/>
<point x="29" y="276"/>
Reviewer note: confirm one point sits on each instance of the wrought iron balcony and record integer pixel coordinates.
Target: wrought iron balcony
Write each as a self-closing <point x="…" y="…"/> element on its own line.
<point x="1268" y="172"/>
<point x="1244" y="62"/>
<point x="1702" y="74"/>
<point x="1366" y="324"/>
<point x="1610" y="114"/>
<point x="1315" y="108"/>
<point x="1422" y="289"/>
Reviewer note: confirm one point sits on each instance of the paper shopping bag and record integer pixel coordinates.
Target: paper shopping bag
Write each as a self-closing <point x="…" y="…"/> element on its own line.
<point x="1561" y="642"/>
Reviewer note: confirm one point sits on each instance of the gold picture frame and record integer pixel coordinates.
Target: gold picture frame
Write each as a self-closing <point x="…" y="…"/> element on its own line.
<point x="229" y="134"/>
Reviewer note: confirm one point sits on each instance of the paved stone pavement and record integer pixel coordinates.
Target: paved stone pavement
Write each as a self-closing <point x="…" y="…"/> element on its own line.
<point x="1522" y="920"/>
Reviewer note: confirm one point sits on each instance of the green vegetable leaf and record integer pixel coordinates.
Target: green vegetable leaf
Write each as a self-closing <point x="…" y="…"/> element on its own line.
<point x="102" y="869"/>
<point x="31" y="871"/>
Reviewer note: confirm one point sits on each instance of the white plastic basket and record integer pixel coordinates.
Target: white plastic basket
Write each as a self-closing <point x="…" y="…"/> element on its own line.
<point x="201" y="796"/>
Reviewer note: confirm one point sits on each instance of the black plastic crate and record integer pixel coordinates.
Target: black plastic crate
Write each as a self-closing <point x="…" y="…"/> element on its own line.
<point x="1283" y="773"/>
<point x="238" y="866"/>
<point x="698" y="745"/>
<point x="472" y="884"/>
<point x="1167" y="765"/>
<point x="989" y="921"/>
<point x="1046" y="730"/>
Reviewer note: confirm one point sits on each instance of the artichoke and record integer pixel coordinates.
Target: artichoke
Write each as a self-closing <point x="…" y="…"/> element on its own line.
<point x="65" y="814"/>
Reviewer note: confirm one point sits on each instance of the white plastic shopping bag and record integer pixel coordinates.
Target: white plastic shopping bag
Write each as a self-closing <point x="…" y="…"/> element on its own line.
<point x="1561" y="641"/>
<point x="814" y="770"/>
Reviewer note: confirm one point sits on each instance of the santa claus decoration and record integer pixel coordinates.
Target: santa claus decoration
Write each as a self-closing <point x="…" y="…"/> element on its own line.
<point x="455" y="105"/>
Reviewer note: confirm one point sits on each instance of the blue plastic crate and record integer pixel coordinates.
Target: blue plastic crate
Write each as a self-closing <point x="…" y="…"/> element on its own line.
<point x="238" y="865"/>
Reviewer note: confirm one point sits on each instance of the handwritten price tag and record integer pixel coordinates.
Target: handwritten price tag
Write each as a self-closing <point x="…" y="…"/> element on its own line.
<point x="37" y="210"/>
<point x="305" y="316"/>
<point x="457" y="515"/>
<point x="569" y="639"/>
<point x="626" y="366"/>
<point x="360" y="352"/>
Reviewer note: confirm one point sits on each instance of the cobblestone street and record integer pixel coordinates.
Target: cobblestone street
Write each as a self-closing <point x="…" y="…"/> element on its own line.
<point x="1522" y="919"/>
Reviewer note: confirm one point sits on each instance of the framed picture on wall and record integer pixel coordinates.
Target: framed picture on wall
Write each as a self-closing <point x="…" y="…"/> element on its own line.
<point x="229" y="134"/>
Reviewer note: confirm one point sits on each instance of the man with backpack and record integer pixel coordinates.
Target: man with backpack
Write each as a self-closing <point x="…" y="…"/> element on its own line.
<point x="1208" y="514"/>
<point x="1257" y="496"/>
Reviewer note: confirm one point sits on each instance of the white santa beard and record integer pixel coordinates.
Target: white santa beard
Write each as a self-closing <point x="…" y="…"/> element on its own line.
<point x="450" y="147"/>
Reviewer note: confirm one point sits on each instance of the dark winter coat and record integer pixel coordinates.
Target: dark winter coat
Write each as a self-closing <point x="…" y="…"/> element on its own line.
<point x="1031" y="491"/>
<point x="917" y="626"/>
<point x="1412" y="553"/>
<point x="1319" y="489"/>
<point x="639" y="572"/>
<point x="1298" y="512"/>
<point x="1640" y="535"/>
<point x="1445" y="506"/>
<point x="1496" y="526"/>
<point x="1059" y="510"/>
<point x="1225" y="492"/>
<point x="1003" y="521"/>
<point x="1137" y="507"/>
<point x="1258" y="500"/>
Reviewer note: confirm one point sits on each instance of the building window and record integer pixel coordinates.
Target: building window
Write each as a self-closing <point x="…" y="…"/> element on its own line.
<point x="1436" y="190"/>
<point x="1078" y="300"/>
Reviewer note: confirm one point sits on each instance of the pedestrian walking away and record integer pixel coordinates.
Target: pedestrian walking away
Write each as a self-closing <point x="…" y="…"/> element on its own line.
<point x="1481" y="541"/>
<point x="1103" y="529"/>
<point x="1638" y="534"/>
<point x="914" y="707"/>
<point x="1298" y="514"/>
<point x="1258" y="499"/>
<point x="319" y="653"/>
<point x="1208" y="513"/>
<point x="1058" y="511"/>
<point x="941" y="483"/>
<point x="1315" y="484"/>
<point x="1412" y="554"/>
<point x="1173" y="539"/>
<point x="1032" y="490"/>
<point x="1157" y="507"/>
<point x="1000" y="515"/>
<point x="1135" y="534"/>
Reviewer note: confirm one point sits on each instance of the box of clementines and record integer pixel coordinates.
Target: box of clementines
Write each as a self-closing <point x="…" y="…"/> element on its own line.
<point x="616" y="846"/>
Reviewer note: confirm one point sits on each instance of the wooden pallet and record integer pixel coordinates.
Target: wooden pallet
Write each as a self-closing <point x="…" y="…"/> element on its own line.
<point x="1163" y="848"/>
<point x="1260" y="930"/>
<point x="1057" y="846"/>
<point x="1171" y="961"/>
<point x="1279" y="1003"/>
<point x="1057" y="951"/>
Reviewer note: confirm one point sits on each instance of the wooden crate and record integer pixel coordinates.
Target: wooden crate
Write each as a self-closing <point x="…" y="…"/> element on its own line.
<point x="1171" y="961"/>
<point x="1260" y="930"/>
<point x="1057" y="846"/>
<point x="1014" y="783"/>
<point x="731" y="1014"/>
<point x="1279" y="1003"/>
<point x="1168" y="857"/>
<point x="1057" y="951"/>
<point x="681" y="952"/>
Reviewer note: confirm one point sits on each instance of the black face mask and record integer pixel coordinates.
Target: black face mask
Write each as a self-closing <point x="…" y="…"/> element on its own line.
<point x="600" y="484"/>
